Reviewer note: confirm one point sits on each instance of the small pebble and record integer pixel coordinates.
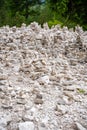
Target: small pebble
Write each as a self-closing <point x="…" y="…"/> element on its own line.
<point x="38" y="101"/>
<point x="39" y="96"/>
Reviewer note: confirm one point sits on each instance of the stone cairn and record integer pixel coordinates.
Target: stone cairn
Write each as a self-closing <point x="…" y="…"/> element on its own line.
<point x="43" y="78"/>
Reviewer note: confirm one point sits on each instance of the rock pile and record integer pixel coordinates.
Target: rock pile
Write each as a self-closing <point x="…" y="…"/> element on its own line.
<point x="43" y="78"/>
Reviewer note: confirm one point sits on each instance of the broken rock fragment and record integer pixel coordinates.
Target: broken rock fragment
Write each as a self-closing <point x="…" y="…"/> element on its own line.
<point x="38" y="99"/>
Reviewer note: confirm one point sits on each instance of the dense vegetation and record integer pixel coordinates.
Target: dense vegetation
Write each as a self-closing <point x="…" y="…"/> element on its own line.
<point x="64" y="12"/>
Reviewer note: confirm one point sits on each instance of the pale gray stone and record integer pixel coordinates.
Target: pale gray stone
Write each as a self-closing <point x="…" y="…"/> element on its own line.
<point x="38" y="101"/>
<point x="3" y="122"/>
<point x="26" y="126"/>
<point x="39" y="96"/>
<point x="41" y="68"/>
<point x="21" y="101"/>
<point x="2" y="128"/>
<point x="7" y="106"/>
<point x="13" y="93"/>
<point x="28" y="117"/>
<point x="41" y="128"/>
<point x="79" y="126"/>
<point x="61" y="108"/>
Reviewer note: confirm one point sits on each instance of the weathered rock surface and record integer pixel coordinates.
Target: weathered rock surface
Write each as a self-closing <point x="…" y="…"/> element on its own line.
<point x="79" y="126"/>
<point x="43" y="78"/>
<point x="26" y="126"/>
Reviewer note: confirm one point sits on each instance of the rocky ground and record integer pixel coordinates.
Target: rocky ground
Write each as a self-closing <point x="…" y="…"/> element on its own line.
<point x="43" y="78"/>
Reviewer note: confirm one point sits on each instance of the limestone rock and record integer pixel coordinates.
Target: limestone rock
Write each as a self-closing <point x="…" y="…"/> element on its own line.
<point x="2" y="128"/>
<point x="41" y="68"/>
<point x="38" y="101"/>
<point x="21" y="101"/>
<point x="6" y="106"/>
<point x="61" y="108"/>
<point x="26" y="126"/>
<point x="39" y="96"/>
<point x="28" y="118"/>
<point x="79" y="126"/>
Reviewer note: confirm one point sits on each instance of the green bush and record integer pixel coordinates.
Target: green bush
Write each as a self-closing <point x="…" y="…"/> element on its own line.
<point x="17" y="20"/>
<point x="40" y="14"/>
<point x="54" y="22"/>
<point x="45" y="15"/>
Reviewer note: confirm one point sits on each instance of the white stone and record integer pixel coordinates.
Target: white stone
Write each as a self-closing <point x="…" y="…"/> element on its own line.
<point x="26" y="126"/>
<point x="79" y="126"/>
<point x="2" y="128"/>
<point x="45" y="120"/>
<point x="44" y="79"/>
<point x="13" y="93"/>
<point x="28" y="117"/>
<point x="3" y="122"/>
<point x="61" y="108"/>
<point x="42" y="128"/>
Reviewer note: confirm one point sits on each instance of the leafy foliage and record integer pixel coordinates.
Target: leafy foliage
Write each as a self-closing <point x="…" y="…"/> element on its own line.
<point x="54" y="22"/>
<point x="72" y="10"/>
<point x="81" y="91"/>
<point x="63" y="12"/>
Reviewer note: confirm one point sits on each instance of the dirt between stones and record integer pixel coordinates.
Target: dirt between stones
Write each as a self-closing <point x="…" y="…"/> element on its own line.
<point x="43" y="78"/>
